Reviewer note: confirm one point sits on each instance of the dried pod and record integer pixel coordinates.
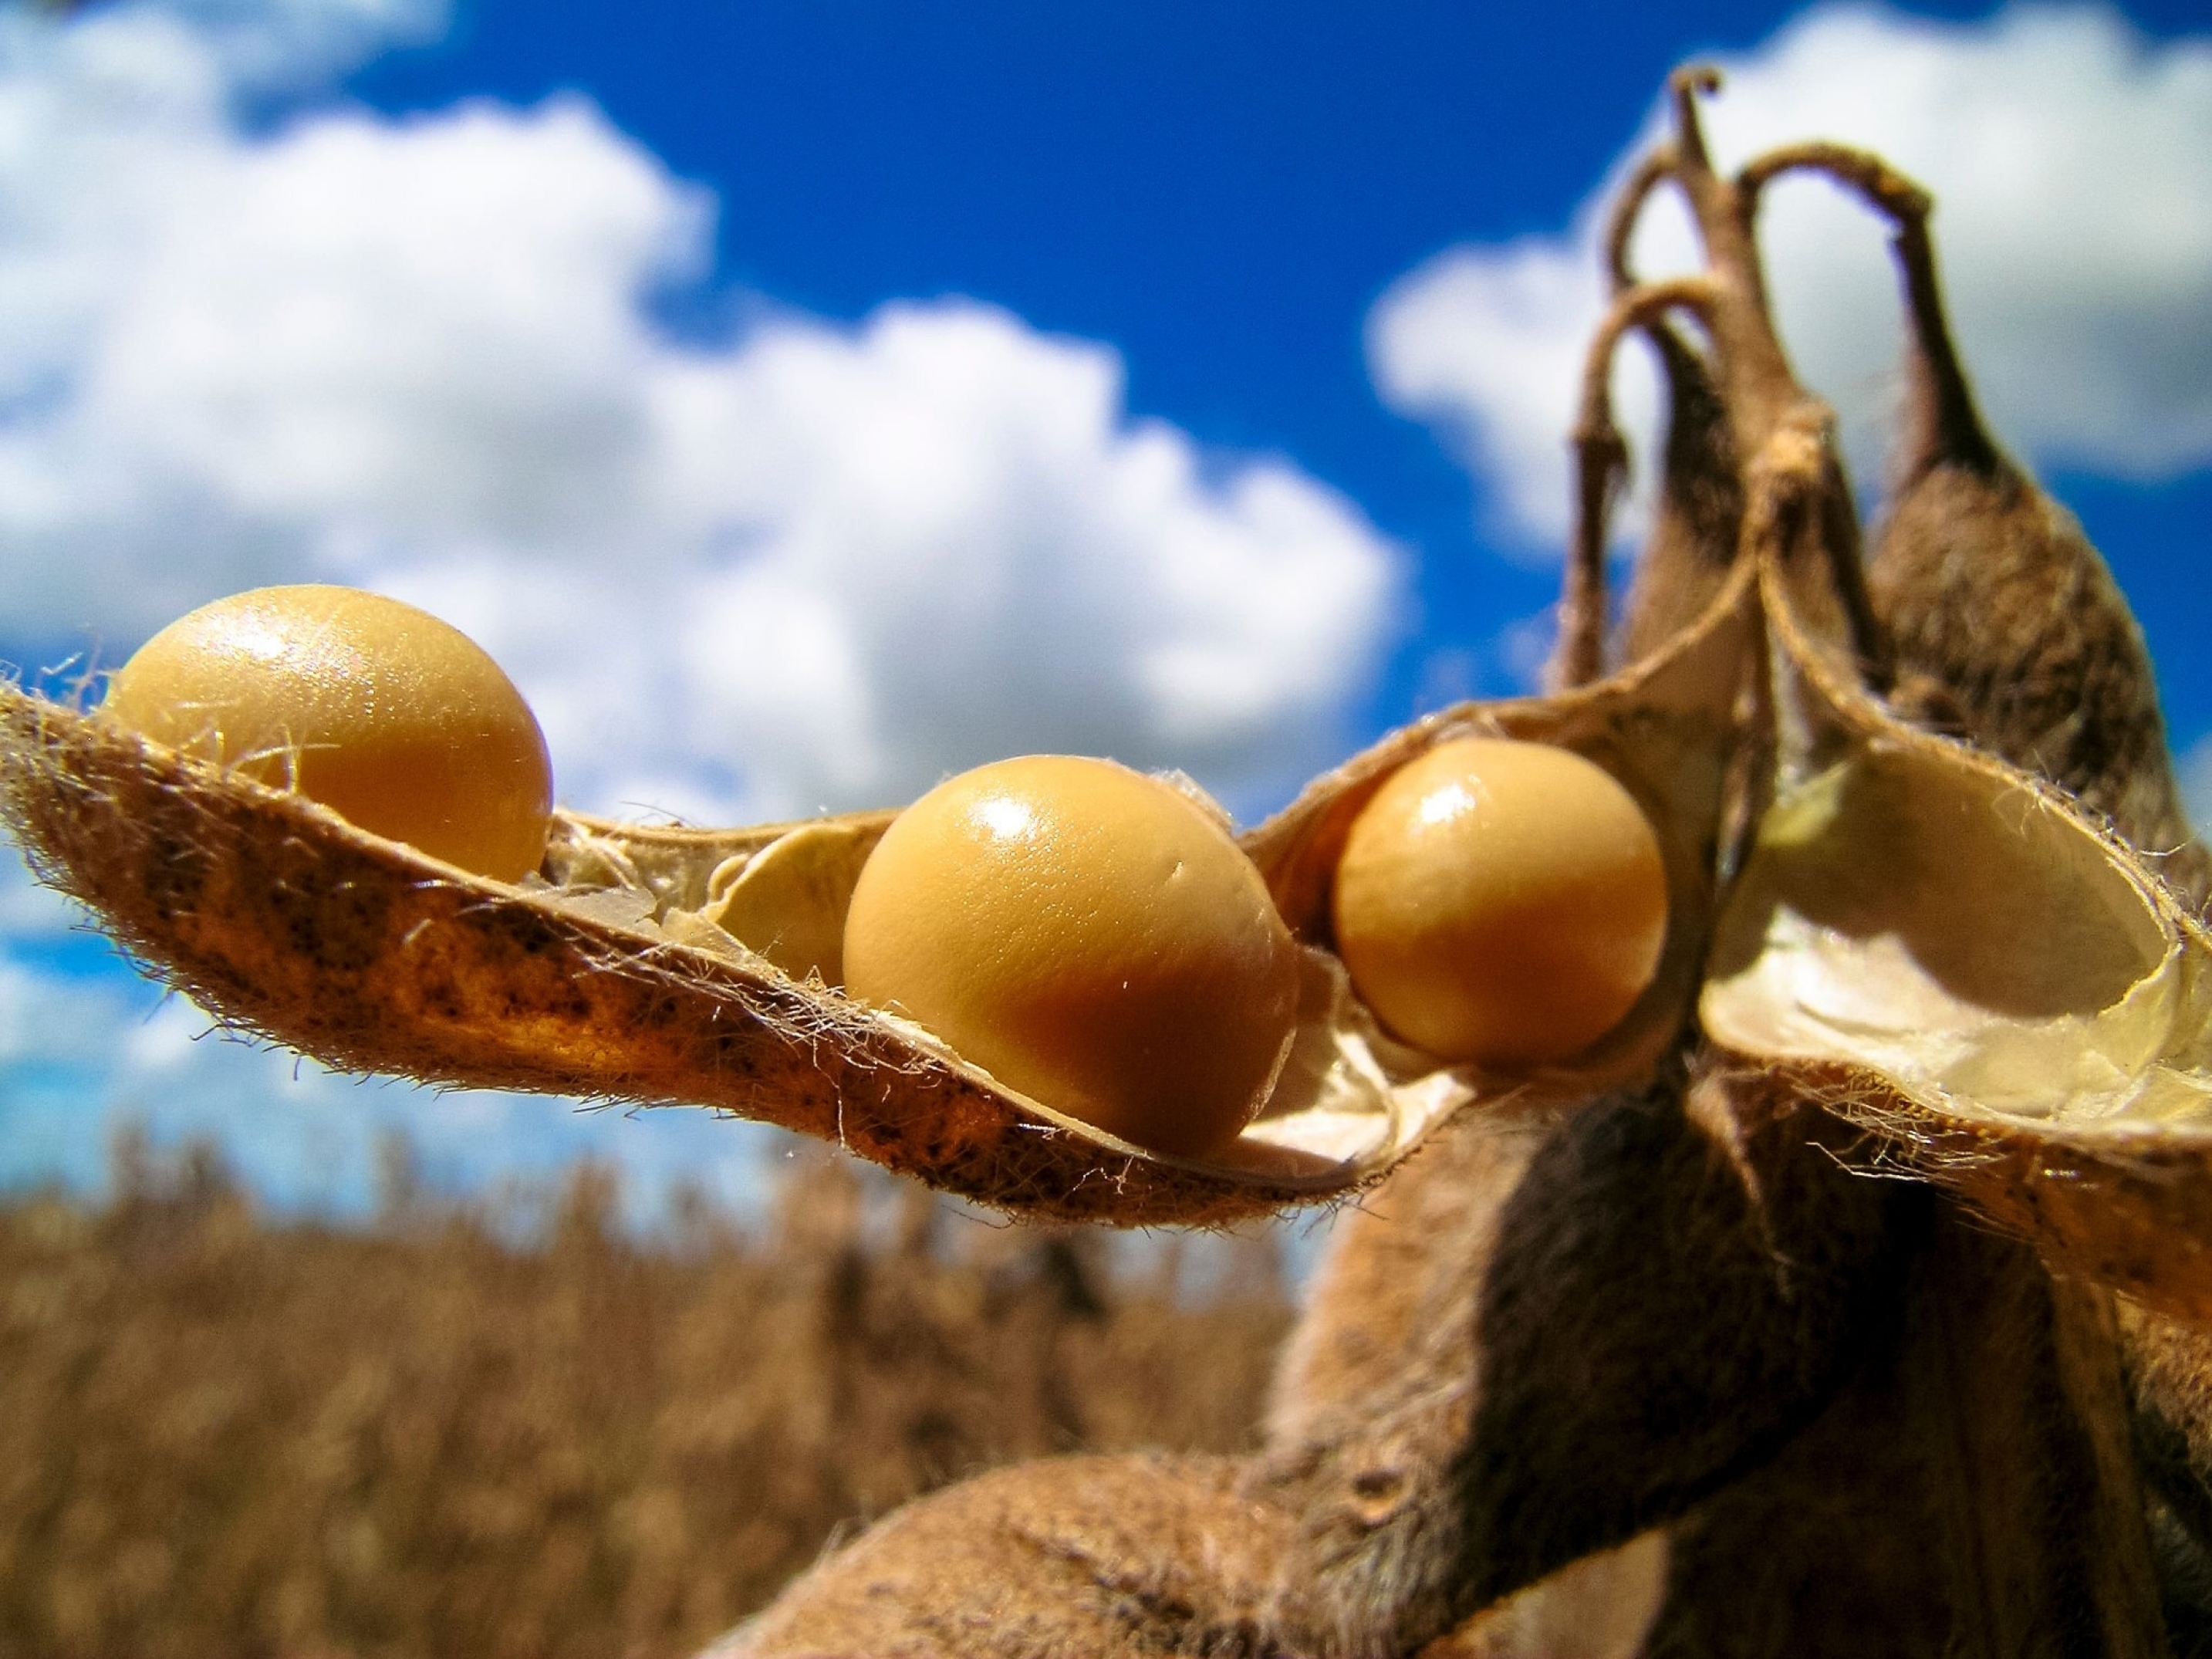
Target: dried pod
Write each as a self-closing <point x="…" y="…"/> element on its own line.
<point x="2020" y="1018"/>
<point x="1994" y="1406"/>
<point x="2010" y="633"/>
<point x="1962" y="1494"/>
<point x="1504" y="1369"/>
<point x="610" y="977"/>
<point x="1063" y="1556"/>
<point x="655" y="965"/>
<point x="1986" y="972"/>
<point x="2007" y="626"/>
<point x="1499" y="1373"/>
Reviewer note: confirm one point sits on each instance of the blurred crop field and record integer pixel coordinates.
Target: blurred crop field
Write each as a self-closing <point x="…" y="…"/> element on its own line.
<point x="491" y="1430"/>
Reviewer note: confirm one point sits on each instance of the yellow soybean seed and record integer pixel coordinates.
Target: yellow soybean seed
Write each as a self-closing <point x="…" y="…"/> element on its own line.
<point x="1089" y="936"/>
<point x="391" y="718"/>
<point x="1501" y="902"/>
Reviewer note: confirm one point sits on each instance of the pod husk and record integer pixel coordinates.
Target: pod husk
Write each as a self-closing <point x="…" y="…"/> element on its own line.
<point x="284" y="921"/>
<point x="657" y="965"/>
<point x="1965" y="960"/>
<point x="2008" y="627"/>
<point x="2034" y="1042"/>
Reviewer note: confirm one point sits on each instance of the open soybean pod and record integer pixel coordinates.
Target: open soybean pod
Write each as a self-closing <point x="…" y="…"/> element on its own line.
<point x="2008" y="984"/>
<point x="672" y="965"/>
<point x="657" y="965"/>
<point x="1968" y="963"/>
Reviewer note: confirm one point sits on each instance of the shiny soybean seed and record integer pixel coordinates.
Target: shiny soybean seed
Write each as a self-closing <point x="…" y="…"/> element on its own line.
<point x="391" y="718"/>
<point x="1501" y="902"/>
<point x="1091" y="938"/>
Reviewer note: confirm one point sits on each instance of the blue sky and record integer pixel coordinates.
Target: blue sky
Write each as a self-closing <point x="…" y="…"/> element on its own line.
<point x="805" y="399"/>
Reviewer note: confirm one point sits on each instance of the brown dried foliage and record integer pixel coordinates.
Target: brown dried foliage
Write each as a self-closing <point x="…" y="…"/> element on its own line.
<point x="219" y="1436"/>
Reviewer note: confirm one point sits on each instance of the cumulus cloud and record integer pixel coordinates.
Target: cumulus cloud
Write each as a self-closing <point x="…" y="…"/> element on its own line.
<point x="2072" y="165"/>
<point x="817" y="566"/>
<point x="247" y="340"/>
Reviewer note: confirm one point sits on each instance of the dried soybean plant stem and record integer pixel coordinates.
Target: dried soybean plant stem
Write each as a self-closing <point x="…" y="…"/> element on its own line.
<point x="1601" y="465"/>
<point x="1699" y="512"/>
<point x="1995" y="601"/>
<point x="1628" y="212"/>
<point x="1947" y="423"/>
<point x="1763" y="399"/>
<point x="1761" y="389"/>
<point x="1884" y="187"/>
<point x="1600" y="455"/>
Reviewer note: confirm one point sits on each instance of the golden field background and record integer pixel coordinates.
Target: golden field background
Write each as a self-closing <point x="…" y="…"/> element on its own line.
<point x="515" y="1430"/>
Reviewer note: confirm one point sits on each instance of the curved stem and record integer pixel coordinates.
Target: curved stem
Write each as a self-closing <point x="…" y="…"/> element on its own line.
<point x="1644" y="303"/>
<point x="1627" y="210"/>
<point x="1884" y="188"/>
<point x="1946" y="424"/>
<point x="1688" y="84"/>
<point x="1762" y="391"/>
<point x="1767" y="407"/>
<point x="1601" y="464"/>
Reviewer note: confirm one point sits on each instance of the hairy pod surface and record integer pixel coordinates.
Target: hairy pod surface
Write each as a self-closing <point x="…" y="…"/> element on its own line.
<point x="704" y="966"/>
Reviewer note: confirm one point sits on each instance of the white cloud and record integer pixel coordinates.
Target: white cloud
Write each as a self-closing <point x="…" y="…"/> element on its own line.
<point x="271" y="45"/>
<point x="818" y="566"/>
<point x="947" y="543"/>
<point x="2072" y="165"/>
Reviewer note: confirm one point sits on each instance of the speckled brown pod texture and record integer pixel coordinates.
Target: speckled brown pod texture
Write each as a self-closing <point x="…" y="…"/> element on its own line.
<point x="367" y="955"/>
<point x="644" y="967"/>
